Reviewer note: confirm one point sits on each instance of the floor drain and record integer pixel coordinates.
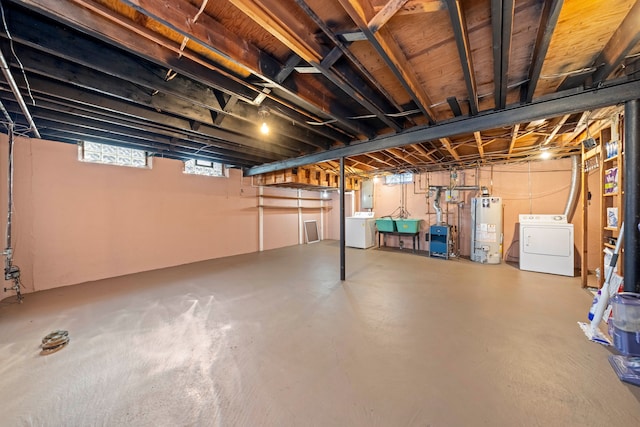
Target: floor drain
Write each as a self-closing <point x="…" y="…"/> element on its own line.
<point x="54" y="342"/>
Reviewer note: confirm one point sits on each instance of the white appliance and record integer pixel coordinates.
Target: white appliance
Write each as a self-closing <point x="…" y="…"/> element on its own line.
<point x="486" y="230"/>
<point x="546" y="244"/>
<point x="360" y="230"/>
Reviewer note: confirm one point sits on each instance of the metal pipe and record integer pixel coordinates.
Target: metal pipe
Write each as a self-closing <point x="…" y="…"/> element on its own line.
<point x="342" y="221"/>
<point x="8" y="250"/>
<point x="574" y="190"/>
<point x="16" y="92"/>
<point x="436" y="205"/>
<point x="6" y="115"/>
<point x="632" y="195"/>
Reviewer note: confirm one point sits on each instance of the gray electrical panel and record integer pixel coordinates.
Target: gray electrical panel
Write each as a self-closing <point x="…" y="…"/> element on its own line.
<point x="366" y="195"/>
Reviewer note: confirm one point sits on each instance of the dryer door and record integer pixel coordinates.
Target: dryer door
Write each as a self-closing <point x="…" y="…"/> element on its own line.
<point x="547" y="240"/>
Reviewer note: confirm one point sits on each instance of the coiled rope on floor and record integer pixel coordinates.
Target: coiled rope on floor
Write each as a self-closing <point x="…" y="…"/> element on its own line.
<point x="54" y="342"/>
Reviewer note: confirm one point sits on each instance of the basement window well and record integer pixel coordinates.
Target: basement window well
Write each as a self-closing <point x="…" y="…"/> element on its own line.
<point x="94" y="152"/>
<point x="204" y="167"/>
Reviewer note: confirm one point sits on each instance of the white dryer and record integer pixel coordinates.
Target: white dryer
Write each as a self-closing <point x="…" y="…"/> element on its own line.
<point x="546" y="244"/>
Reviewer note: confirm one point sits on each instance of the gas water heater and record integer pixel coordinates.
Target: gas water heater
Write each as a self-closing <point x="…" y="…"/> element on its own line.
<point x="486" y="230"/>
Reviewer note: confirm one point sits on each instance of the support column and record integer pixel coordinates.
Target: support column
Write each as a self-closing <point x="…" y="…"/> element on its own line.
<point x="342" y="221"/>
<point x="632" y="195"/>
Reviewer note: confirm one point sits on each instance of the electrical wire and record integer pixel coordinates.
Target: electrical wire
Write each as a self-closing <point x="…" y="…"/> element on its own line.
<point x="24" y="75"/>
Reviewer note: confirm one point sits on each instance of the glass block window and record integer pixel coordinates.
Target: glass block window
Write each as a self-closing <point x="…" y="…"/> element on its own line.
<point x="401" y="178"/>
<point x="112" y="155"/>
<point x="203" y="167"/>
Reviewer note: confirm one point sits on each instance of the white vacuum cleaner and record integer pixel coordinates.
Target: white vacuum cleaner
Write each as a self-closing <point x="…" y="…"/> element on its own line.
<point x="592" y="330"/>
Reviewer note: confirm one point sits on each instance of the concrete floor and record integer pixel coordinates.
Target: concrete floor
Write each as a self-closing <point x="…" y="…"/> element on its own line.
<point x="275" y="339"/>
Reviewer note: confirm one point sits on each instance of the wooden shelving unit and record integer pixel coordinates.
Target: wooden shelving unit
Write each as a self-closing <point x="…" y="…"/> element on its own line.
<point x="608" y="158"/>
<point x="611" y="179"/>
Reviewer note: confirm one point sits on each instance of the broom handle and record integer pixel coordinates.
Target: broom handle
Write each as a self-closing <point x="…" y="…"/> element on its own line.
<point x="604" y="292"/>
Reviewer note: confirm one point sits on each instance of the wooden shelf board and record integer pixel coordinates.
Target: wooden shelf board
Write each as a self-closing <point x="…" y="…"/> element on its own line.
<point x="293" y="207"/>
<point x="267" y="196"/>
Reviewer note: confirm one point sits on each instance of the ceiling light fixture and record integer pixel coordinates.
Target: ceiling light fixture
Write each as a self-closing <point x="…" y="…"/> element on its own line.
<point x="263" y="112"/>
<point x="545" y="153"/>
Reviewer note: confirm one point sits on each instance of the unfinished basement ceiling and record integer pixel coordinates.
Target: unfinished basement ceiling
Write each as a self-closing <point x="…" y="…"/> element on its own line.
<point x="390" y="85"/>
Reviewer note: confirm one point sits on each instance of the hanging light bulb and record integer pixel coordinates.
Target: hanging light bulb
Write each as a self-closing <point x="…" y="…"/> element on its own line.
<point x="545" y="153"/>
<point x="263" y="112"/>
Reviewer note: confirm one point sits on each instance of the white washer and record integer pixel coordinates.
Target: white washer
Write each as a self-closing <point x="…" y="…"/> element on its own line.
<point x="360" y="230"/>
<point x="546" y="244"/>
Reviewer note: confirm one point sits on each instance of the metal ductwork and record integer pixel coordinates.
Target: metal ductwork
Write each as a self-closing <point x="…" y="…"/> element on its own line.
<point x="574" y="190"/>
<point x="436" y="205"/>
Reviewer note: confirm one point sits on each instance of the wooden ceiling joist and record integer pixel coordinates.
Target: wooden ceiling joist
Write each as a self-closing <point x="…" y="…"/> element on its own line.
<point x="337" y="41"/>
<point x="514" y="137"/>
<point x="210" y="34"/>
<point x="391" y="53"/>
<point x="446" y="143"/>
<point x="413" y="7"/>
<point x="401" y="155"/>
<point x="478" y="139"/>
<point x="108" y="26"/>
<point x="458" y="21"/>
<point x="384" y="14"/>
<point x="502" y="12"/>
<point x="556" y="129"/>
<point x="286" y="28"/>
<point x="548" y="21"/>
<point x="377" y="158"/>
<point x="625" y="38"/>
<point x="420" y="149"/>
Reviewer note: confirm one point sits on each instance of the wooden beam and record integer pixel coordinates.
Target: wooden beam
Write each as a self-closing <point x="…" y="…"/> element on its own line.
<point x="212" y="35"/>
<point x="478" y="138"/>
<point x="413" y="7"/>
<point x="459" y="23"/>
<point x="564" y="103"/>
<point x="550" y="13"/>
<point x="287" y="28"/>
<point x="391" y="53"/>
<point x="514" y="137"/>
<point x="283" y="25"/>
<point x="424" y="152"/>
<point x="363" y="166"/>
<point x="502" y="12"/>
<point x="446" y="143"/>
<point x="377" y="159"/>
<point x="227" y="107"/>
<point x="556" y="128"/>
<point x="104" y="24"/>
<point x="625" y="38"/>
<point x="384" y="14"/>
<point x="343" y="45"/>
<point x="399" y="154"/>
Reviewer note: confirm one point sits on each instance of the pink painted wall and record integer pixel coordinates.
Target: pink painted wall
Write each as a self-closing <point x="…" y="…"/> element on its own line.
<point x="77" y="222"/>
